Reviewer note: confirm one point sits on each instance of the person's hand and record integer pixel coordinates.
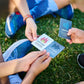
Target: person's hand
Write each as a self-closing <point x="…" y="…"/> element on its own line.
<point x="37" y="66"/>
<point x="30" y="58"/>
<point x="77" y="36"/>
<point x="80" y="82"/>
<point x="31" y="29"/>
<point x="40" y="64"/>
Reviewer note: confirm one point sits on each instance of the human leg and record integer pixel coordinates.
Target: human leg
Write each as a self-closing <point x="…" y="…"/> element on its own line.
<point x="37" y="10"/>
<point x="62" y="8"/>
<point x="43" y="8"/>
<point x="15" y="20"/>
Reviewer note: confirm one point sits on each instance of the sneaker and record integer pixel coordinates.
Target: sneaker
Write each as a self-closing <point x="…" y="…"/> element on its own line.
<point x="17" y="50"/>
<point x="66" y="12"/>
<point x="13" y="23"/>
<point x="80" y="60"/>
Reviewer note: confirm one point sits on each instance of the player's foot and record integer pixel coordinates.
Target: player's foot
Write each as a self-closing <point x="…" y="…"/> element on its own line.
<point x="80" y="60"/>
<point x="66" y="12"/>
<point x="17" y="50"/>
<point x="13" y="23"/>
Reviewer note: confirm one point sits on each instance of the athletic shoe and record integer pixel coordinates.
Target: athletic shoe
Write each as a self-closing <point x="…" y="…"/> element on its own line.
<point x="17" y="50"/>
<point x="13" y="23"/>
<point x="80" y="60"/>
<point x="66" y="12"/>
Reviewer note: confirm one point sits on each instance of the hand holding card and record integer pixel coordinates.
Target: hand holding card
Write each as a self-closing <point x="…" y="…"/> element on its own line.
<point x="65" y="25"/>
<point x="51" y="46"/>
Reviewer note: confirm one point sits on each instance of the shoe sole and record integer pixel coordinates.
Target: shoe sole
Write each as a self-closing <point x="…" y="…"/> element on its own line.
<point x="12" y="47"/>
<point x="8" y="26"/>
<point x="72" y="8"/>
<point x="7" y="35"/>
<point x="78" y="62"/>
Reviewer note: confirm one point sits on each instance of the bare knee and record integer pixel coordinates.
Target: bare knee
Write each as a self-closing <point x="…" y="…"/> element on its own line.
<point x="62" y="3"/>
<point x="12" y="7"/>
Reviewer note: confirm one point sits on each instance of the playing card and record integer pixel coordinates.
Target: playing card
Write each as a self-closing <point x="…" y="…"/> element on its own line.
<point x="65" y="25"/>
<point x="54" y="49"/>
<point x="51" y="46"/>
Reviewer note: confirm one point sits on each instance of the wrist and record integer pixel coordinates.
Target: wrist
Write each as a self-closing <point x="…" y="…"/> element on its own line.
<point x="22" y="65"/>
<point x="27" y="16"/>
<point x="29" y="78"/>
<point x="32" y="73"/>
<point x="28" y="20"/>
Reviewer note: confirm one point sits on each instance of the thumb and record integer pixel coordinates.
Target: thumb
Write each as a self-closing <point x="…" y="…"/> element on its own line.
<point x="47" y="62"/>
<point x="71" y="31"/>
<point x="34" y="33"/>
<point x="69" y="41"/>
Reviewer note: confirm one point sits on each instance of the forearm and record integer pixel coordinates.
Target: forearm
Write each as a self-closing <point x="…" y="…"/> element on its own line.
<point x="11" y="67"/>
<point x="22" y="6"/>
<point x="29" y="78"/>
<point x="4" y="80"/>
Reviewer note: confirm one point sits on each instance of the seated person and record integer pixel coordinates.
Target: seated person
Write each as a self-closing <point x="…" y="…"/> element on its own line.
<point x="16" y="61"/>
<point x="35" y="9"/>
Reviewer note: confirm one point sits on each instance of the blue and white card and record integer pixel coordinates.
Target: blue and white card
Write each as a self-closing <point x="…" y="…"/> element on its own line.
<point x="65" y="25"/>
<point x="51" y="46"/>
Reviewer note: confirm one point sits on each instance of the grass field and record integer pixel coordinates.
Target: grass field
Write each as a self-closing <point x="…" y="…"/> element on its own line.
<point x="63" y="69"/>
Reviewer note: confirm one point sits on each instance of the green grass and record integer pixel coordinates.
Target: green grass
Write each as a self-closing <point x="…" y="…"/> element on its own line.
<point x="63" y="69"/>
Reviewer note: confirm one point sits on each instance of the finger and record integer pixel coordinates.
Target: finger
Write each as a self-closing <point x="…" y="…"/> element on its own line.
<point x="34" y="33"/>
<point x="71" y="31"/>
<point x="29" y="36"/>
<point x="36" y="55"/>
<point x="44" y="57"/>
<point x="69" y="41"/>
<point x="40" y="53"/>
<point x="47" y="61"/>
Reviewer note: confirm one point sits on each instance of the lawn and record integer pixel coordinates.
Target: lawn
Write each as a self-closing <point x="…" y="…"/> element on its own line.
<point x="63" y="69"/>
